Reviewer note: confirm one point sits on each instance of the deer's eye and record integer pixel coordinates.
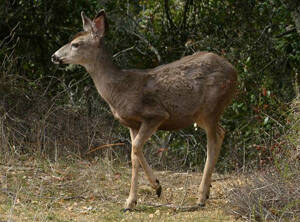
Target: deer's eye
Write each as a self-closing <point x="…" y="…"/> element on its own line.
<point x="75" y="45"/>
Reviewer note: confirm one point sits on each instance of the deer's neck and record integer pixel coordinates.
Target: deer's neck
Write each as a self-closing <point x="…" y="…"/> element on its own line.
<point x="107" y="77"/>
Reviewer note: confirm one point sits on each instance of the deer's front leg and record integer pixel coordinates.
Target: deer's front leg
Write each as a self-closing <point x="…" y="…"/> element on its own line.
<point x="146" y="130"/>
<point x="132" y="198"/>
<point x="139" y="137"/>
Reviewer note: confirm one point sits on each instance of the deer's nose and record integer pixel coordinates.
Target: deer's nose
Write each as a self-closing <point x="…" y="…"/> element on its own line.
<point x="55" y="59"/>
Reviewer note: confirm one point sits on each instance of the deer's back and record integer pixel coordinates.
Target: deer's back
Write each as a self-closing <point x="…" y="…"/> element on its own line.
<point x="186" y="86"/>
<point x="196" y="85"/>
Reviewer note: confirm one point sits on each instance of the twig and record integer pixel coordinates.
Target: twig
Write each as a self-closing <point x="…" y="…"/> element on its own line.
<point x="186" y="9"/>
<point x="286" y="33"/>
<point x="185" y="188"/>
<point x="104" y="146"/>
<point x="152" y="48"/>
<point x="123" y="51"/>
<point x="167" y="10"/>
<point x="74" y="197"/>
<point x="11" y="34"/>
<point x="50" y="82"/>
<point x="263" y="187"/>
<point x="266" y="66"/>
<point x="94" y="134"/>
<point x="273" y="119"/>
<point x="15" y="200"/>
<point x="175" y="207"/>
<point x="69" y="87"/>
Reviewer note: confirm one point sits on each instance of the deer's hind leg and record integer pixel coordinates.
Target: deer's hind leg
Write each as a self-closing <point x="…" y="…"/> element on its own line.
<point x="215" y="135"/>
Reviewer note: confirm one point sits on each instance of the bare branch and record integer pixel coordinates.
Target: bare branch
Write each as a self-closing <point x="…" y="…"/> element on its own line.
<point x="175" y="207"/>
<point x="286" y="33"/>
<point x="186" y="9"/>
<point x="123" y="51"/>
<point x="167" y="10"/>
<point x="152" y="48"/>
<point x="11" y="36"/>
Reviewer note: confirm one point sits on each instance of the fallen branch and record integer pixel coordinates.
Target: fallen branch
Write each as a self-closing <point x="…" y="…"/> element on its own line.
<point x="104" y="146"/>
<point x="74" y="197"/>
<point x="175" y="207"/>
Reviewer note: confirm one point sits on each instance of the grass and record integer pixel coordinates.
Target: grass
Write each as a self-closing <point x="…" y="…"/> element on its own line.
<point x="267" y="196"/>
<point x="40" y="190"/>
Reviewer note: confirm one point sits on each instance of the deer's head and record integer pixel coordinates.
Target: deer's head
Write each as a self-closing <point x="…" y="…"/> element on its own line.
<point x="81" y="50"/>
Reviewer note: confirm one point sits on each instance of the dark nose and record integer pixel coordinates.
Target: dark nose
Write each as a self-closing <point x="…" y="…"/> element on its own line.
<point x="55" y="59"/>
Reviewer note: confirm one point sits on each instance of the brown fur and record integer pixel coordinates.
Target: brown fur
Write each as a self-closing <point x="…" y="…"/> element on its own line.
<point x="79" y="34"/>
<point x="194" y="89"/>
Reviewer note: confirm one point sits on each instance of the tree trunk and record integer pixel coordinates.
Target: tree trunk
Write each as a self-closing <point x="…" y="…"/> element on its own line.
<point x="294" y="7"/>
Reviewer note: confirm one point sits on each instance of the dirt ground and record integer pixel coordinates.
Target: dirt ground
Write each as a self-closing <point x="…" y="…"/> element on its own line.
<point x="40" y="190"/>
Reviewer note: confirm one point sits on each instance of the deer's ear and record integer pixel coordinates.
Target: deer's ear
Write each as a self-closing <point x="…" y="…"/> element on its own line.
<point x="100" y="23"/>
<point x="86" y="23"/>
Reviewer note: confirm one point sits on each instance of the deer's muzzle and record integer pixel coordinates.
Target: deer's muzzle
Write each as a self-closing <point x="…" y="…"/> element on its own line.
<point x="55" y="59"/>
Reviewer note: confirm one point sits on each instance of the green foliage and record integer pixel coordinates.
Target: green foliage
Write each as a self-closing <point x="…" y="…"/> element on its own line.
<point x="258" y="37"/>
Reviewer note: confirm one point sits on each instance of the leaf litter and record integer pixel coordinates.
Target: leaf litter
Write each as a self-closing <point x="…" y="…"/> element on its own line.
<point x="97" y="190"/>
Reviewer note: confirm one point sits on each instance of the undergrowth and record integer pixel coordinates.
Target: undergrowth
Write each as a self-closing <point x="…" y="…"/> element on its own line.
<point x="273" y="194"/>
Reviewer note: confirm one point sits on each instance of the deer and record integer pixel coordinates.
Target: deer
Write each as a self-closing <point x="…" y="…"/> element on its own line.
<point x="192" y="90"/>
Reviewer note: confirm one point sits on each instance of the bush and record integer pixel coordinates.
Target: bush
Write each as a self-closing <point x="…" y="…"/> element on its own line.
<point x="273" y="194"/>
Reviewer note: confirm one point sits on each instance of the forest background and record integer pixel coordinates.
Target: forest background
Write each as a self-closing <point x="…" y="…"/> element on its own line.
<point x="55" y="112"/>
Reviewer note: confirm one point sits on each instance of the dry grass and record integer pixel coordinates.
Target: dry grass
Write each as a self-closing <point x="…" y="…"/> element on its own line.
<point x="267" y="196"/>
<point x="39" y="190"/>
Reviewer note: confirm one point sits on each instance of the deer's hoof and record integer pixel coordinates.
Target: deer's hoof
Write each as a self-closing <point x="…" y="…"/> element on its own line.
<point x="201" y="204"/>
<point x="201" y="201"/>
<point x="208" y="194"/>
<point x="159" y="189"/>
<point x="126" y="209"/>
<point x="129" y="205"/>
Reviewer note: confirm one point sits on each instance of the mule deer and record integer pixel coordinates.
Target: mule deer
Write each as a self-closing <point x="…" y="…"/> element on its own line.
<point x="194" y="89"/>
